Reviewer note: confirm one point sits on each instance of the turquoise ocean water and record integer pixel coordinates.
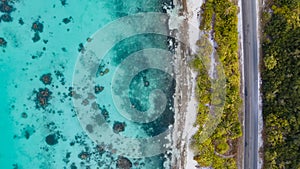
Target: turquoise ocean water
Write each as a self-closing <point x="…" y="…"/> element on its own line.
<point x="39" y="127"/>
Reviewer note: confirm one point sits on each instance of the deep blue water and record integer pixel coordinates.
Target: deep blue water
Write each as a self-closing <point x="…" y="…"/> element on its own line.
<point x="39" y="125"/>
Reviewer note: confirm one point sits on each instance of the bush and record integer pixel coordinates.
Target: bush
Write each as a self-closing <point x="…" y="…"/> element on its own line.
<point x="222" y="14"/>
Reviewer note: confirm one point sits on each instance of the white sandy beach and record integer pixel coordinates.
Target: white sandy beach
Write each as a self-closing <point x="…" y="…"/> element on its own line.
<point x="186" y="104"/>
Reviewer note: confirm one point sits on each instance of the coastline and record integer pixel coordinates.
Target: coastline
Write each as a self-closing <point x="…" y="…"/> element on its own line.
<point x="187" y="32"/>
<point x="185" y="102"/>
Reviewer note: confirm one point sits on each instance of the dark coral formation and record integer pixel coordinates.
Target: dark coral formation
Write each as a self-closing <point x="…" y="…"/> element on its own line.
<point x="98" y="89"/>
<point x="51" y="126"/>
<point x="123" y="163"/>
<point x="5" y="7"/>
<point x="28" y="131"/>
<point x="60" y="76"/>
<point x="119" y="126"/>
<point x="63" y="2"/>
<point x="81" y="48"/>
<point x="83" y="155"/>
<point x="100" y="149"/>
<point x="102" y="73"/>
<point x="67" y="157"/>
<point x="15" y="166"/>
<point x="146" y="82"/>
<point x="6" y="18"/>
<point x="89" y="39"/>
<point x="37" y="26"/>
<point x="67" y="20"/>
<point x="72" y="93"/>
<point x="3" y="42"/>
<point x="24" y="115"/>
<point x="73" y="166"/>
<point x="102" y="70"/>
<point x="46" y="78"/>
<point x="21" y="22"/>
<point x="36" y="37"/>
<point x="51" y="139"/>
<point x="42" y="97"/>
<point x="104" y="113"/>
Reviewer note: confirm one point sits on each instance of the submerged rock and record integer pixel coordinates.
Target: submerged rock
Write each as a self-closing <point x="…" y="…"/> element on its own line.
<point x="24" y="115"/>
<point x="51" y="139"/>
<point x="3" y="42"/>
<point x="42" y="97"/>
<point x="119" y="126"/>
<point x="67" y="20"/>
<point x="83" y="155"/>
<point x="81" y="48"/>
<point x="100" y="149"/>
<point x="123" y="163"/>
<point x="21" y="22"/>
<point x="146" y="83"/>
<point x="104" y="112"/>
<point x="37" y="27"/>
<point x="46" y="78"/>
<point x="36" y="37"/>
<point x="6" y="8"/>
<point x="73" y="166"/>
<point x="89" y="39"/>
<point x="102" y="73"/>
<point x="6" y="18"/>
<point x="28" y="131"/>
<point x="98" y="89"/>
<point x="63" y="2"/>
<point x="15" y="166"/>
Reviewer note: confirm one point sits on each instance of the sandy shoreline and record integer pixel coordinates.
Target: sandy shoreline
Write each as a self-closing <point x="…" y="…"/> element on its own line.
<point x="186" y="26"/>
<point x="185" y="101"/>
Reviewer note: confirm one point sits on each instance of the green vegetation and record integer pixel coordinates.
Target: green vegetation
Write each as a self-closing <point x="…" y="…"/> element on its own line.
<point x="219" y="149"/>
<point x="281" y="83"/>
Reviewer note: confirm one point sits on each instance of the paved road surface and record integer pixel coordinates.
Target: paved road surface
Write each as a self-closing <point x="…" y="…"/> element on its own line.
<point x="251" y="83"/>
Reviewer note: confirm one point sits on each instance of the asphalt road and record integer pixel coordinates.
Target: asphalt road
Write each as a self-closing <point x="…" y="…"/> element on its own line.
<point x="251" y="83"/>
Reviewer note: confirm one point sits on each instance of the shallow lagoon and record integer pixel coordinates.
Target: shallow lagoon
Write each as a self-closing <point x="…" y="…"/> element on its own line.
<point x="48" y="134"/>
